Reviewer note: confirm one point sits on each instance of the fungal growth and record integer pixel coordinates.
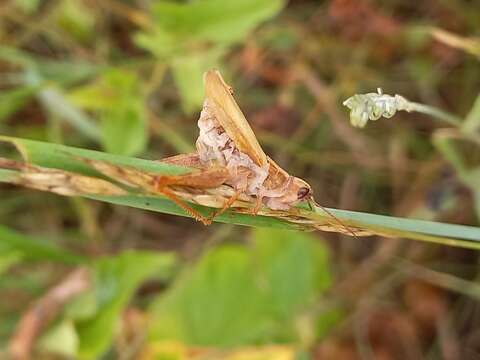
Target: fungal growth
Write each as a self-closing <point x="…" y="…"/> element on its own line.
<point x="226" y="139"/>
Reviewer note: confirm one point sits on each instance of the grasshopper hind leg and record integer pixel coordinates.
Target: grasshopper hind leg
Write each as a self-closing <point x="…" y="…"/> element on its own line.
<point x="163" y="189"/>
<point x="189" y="210"/>
<point x="228" y="204"/>
<point x="204" y="178"/>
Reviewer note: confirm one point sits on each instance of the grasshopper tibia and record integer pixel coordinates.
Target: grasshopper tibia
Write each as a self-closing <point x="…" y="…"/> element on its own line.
<point x="202" y="178"/>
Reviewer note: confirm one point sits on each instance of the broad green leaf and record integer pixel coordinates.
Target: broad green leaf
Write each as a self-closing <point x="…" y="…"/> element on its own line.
<point x="116" y="280"/>
<point x="291" y="260"/>
<point x="217" y="302"/>
<point x="192" y="36"/>
<point x="181" y="27"/>
<point x="61" y="339"/>
<point x="237" y="295"/>
<point x="124" y="130"/>
<point x="82" y="307"/>
<point x="33" y="248"/>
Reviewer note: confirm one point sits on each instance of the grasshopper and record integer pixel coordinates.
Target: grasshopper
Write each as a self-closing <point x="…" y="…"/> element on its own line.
<point x="230" y="169"/>
<point x="228" y="153"/>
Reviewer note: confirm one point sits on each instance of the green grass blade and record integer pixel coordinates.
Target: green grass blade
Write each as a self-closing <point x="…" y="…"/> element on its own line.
<point x="34" y="248"/>
<point x="63" y="157"/>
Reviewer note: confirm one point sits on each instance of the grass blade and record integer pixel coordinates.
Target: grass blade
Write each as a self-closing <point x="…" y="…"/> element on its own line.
<point x="65" y="158"/>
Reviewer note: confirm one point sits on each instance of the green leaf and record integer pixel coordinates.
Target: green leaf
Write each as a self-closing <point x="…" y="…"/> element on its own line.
<point x="56" y="103"/>
<point x="237" y="295"/>
<point x="193" y="36"/>
<point x="61" y="339"/>
<point x="33" y="248"/>
<point x="188" y="73"/>
<point x="16" y="56"/>
<point x="94" y="96"/>
<point x="328" y="320"/>
<point x="82" y="307"/>
<point x="124" y="130"/>
<point x="59" y="156"/>
<point x="118" y="98"/>
<point x="215" y="303"/>
<point x="116" y="280"/>
<point x="75" y="18"/>
<point x="179" y="27"/>
<point x="13" y="100"/>
<point x="8" y="259"/>
<point x="291" y="260"/>
<point x="38" y="70"/>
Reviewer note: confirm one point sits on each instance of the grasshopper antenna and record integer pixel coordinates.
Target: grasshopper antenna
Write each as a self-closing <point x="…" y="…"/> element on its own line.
<point x="329" y="213"/>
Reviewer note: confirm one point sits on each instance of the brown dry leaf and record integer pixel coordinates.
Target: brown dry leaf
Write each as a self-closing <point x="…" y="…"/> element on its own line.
<point x="45" y="310"/>
<point x="394" y="334"/>
<point x="336" y="349"/>
<point x="123" y="174"/>
<point x="357" y="18"/>
<point x="470" y="45"/>
<point x="59" y="181"/>
<point x="427" y="303"/>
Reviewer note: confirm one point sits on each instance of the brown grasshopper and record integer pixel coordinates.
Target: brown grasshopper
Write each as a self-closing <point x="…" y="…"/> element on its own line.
<point x="230" y="169"/>
<point x="229" y="153"/>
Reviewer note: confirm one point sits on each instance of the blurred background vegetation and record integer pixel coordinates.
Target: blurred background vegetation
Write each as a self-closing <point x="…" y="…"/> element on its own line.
<point x="85" y="280"/>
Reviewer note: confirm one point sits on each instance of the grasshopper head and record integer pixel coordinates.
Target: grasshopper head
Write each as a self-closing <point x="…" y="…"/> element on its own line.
<point x="304" y="191"/>
<point x="295" y="191"/>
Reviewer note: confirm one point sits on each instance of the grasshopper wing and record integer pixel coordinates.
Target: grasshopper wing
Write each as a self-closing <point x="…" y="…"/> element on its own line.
<point x="231" y="118"/>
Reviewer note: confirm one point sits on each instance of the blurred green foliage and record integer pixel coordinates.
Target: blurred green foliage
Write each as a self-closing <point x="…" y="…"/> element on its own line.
<point x="239" y="295"/>
<point x="114" y="75"/>
<point x="191" y="37"/>
<point x="116" y="280"/>
<point x="28" y="6"/>
<point x="33" y="249"/>
<point x="118" y="99"/>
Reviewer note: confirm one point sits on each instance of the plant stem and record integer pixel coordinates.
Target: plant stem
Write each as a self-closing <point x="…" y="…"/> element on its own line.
<point x="436" y="113"/>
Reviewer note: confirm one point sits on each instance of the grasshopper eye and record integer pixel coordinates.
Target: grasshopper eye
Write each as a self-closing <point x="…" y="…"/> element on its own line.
<point x="303" y="193"/>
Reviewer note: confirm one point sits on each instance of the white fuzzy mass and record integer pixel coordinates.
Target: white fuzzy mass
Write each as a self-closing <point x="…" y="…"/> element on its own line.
<point x="215" y="146"/>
